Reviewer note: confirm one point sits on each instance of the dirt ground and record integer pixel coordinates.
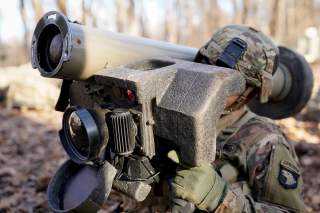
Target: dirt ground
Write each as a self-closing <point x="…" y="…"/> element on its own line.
<point x="30" y="153"/>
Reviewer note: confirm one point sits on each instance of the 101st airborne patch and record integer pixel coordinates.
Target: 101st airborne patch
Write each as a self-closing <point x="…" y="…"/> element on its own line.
<point x="288" y="175"/>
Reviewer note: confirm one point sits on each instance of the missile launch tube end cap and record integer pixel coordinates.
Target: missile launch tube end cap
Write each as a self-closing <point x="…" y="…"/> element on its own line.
<point x="51" y="43"/>
<point x="80" y="188"/>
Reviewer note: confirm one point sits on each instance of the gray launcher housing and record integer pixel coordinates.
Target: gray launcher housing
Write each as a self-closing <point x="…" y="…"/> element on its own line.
<point x="180" y="101"/>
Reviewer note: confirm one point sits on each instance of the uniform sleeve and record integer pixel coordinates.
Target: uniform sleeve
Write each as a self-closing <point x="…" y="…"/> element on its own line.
<point x="237" y="202"/>
<point x="272" y="171"/>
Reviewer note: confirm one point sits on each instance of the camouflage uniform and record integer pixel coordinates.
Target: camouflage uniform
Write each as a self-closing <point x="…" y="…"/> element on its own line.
<point x="259" y="165"/>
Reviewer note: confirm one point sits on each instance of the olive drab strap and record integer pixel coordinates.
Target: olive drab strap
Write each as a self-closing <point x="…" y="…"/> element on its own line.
<point x="266" y="81"/>
<point x="266" y="87"/>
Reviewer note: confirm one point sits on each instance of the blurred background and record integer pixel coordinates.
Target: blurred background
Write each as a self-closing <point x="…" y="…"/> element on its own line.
<point x="29" y="149"/>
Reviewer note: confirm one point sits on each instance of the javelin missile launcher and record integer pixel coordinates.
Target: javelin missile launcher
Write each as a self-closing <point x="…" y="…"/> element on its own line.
<point x="128" y="101"/>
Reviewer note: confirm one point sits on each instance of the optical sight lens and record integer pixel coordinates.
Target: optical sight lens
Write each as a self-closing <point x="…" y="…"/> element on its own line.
<point x="78" y="134"/>
<point x="81" y="136"/>
<point x="55" y="49"/>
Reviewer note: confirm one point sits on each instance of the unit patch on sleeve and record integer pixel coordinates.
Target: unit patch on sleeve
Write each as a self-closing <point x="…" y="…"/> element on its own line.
<point x="288" y="175"/>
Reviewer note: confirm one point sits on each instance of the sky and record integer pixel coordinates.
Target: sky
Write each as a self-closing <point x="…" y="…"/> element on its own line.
<point x="10" y="21"/>
<point x="11" y="24"/>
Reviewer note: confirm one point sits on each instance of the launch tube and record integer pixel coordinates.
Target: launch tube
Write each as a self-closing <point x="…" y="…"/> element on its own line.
<point x="68" y="50"/>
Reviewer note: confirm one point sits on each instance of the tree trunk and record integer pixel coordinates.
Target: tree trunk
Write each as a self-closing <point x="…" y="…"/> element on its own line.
<point x="245" y="12"/>
<point x="62" y="5"/>
<point x="84" y="12"/>
<point x="179" y="9"/>
<point x="37" y="7"/>
<point x="23" y="14"/>
<point x="212" y="18"/>
<point x="120" y="19"/>
<point x="87" y="13"/>
<point x="274" y="17"/>
<point x="236" y="12"/>
<point x="143" y="26"/>
<point x="170" y="30"/>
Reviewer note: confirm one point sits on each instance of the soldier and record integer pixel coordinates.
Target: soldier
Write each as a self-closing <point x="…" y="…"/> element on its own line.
<point x="257" y="169"/>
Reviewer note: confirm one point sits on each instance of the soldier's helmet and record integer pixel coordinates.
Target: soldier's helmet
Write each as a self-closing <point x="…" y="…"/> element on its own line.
<point x="247" y="50"/>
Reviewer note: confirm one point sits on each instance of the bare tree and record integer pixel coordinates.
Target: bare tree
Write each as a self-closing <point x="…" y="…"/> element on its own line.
<point x="245" y="11"/>
<point x="84" y="14"/>
<point x="120" y="20"/>
<point x="23" y="14"/>
<point x="1" y="18"/>
<point x="310" y="11"/>
<point x="37" y="7"/>
<point x="274" y="17"/>
<point x="170" y="23"/>
<point x="212" y="17"/>
<point x="179" y="10"/>
<point x="236" y="12"/>
<point x="87" y="13"/>
<point x="62" y="5"/>
<point x="143" y="27"/>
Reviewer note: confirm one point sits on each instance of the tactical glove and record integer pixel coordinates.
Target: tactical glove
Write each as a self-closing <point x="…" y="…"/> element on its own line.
<point x="200" y="185"/>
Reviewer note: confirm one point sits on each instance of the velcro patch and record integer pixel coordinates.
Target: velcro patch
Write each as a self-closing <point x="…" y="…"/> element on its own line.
<point x="288" y="175"/>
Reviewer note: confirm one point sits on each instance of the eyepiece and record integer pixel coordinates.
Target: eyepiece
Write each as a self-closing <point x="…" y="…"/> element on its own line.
<point x="78" y="133"/>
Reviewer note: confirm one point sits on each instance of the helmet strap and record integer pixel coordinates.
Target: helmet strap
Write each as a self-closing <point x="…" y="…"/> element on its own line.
<point x="241" y="100"/>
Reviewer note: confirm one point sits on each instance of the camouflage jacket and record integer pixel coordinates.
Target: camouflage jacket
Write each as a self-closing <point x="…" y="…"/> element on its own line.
<point x="260" y="167"/>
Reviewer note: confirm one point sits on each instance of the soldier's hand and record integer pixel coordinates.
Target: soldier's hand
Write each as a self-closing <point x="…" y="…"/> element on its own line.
<point x="200" y="185"/>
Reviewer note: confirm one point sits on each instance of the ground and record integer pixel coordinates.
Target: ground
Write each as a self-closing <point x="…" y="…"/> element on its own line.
<point x="30" y="153"/>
